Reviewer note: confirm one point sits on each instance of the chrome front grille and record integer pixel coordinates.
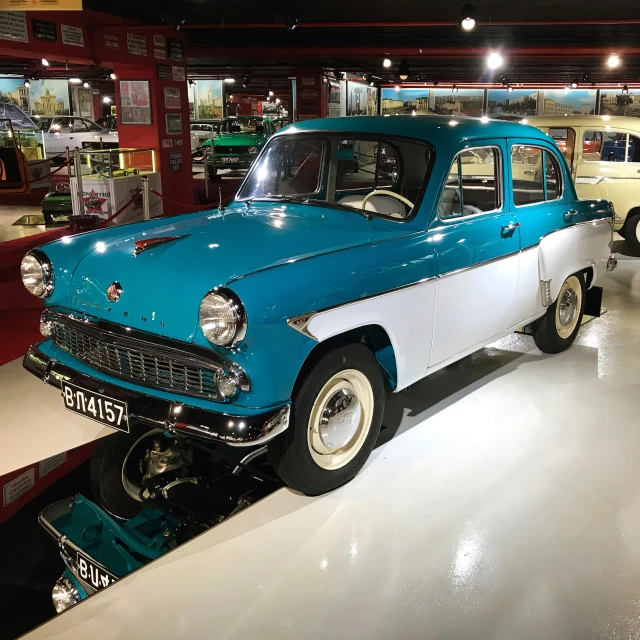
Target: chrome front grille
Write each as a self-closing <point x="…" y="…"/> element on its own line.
<point x="138" y="361"/>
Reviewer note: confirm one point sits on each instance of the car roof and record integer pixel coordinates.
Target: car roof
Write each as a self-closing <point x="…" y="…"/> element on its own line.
<point x="436" y="129"/>
<point x="585" y="121"/>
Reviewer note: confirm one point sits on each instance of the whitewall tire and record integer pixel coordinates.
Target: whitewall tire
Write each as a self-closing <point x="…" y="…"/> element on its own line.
<point x="336" y="418"/>
<point x="559" y="326"/>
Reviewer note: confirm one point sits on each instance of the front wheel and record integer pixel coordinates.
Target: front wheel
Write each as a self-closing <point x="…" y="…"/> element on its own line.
<point x="632" y="234"/>
<point x="559" y="326"/>
<point x="337" y="413"/>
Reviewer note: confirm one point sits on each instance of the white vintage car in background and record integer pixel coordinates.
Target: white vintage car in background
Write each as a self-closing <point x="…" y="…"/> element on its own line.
<point x="60" y="132"/>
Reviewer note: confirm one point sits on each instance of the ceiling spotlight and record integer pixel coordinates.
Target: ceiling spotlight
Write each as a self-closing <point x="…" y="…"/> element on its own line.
<point x="269" y="92"/>
<point x="110" y="75"/>
<point x="45" y="62"/>
<point x="509" y="89"/>
<point x="494" y="60"/>
<point x="192" y="82"/>
<point x="278" y="101"/>
<point x="338" y="75"/>
<point x="246" y="80"/>
<point x="27" y="82"/>
<point x="106" y="100"/>
<point x="436" y="82"/>
<point x="268" y="98"/>
<point x="567" y="89"/>
<point x="574" y="84"/>
<point x="229" y="80"/>
<point x="625" y="89"/>
<point x="403" y="69"/>
<point x="586" y="77"/>
<point x="386" y="63"/>
<point x="86" y="85"/>
<point x="468" y="17"/>
<point x="454" y="89"/>
<point x="613" y="61"/>
<point x="504" y="81"/>
<point x="397" y="87"/>
<point x="289" y="21"/>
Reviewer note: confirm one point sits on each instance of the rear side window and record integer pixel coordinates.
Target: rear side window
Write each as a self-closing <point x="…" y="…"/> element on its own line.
<point x="604" y="146"/>
<point x="473" y="184"/>
<point x="536" y="175"/>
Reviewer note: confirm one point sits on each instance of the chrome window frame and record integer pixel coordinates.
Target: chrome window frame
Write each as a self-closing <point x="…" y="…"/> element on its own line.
<point x="544" y="178"/>
<point x="498" y="180"/>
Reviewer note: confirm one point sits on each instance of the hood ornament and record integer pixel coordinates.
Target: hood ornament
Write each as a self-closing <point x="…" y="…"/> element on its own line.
<point x="150" y="243"/>
<point x="114" y="291"/>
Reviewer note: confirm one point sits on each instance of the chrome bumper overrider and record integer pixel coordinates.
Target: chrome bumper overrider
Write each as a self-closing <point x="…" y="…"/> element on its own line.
<point x="173" y="416"/>
<point x="612" y="263"/>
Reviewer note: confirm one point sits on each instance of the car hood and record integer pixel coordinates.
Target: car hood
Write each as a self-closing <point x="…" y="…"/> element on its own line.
<point x="237" y="139"/>
<point x="162" y="286"/>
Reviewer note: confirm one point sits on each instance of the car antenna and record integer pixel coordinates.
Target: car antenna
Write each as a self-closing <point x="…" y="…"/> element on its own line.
<point x="220" y="207"/>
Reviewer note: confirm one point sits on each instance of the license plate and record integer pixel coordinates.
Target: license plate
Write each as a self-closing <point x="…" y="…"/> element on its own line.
<point x="224" y="159"/>
<point x="114" y="413"/>
<point x="92" y="573"/>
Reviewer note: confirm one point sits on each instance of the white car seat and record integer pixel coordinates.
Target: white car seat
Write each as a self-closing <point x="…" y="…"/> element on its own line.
<point x="384" y="205"/>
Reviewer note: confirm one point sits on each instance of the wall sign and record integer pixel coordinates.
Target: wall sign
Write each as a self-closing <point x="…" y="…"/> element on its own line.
<point x="45" y="5"/>
<point x="178" y="74"/>
<point x="49" y="464"/>
<point x="159" y="54"/>
<point x="44" y="30"/>
<point x="175" y="161"/>
<point x="168" y="142"/>
<point x="136" y="45"/>
<point x="173" y="122"/>
<point x="172" y="98"/>
<point x="18" y="486"/>
<point x="176" y="49"/>
<point x="158" y="40"/>
<point x="111" y="41"/>
<point x="179" y="142"/>
<point x="72" y="35"/>
<point x="13" y="26"/>
<point x="135" y="102"/>
<point x="164" y="71"/>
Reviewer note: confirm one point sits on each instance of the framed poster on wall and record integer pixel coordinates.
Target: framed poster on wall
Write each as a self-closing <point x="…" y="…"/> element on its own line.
<point x="173" y="122"/>
<point x="135" y="102"/>
<point x="172" y="98"/>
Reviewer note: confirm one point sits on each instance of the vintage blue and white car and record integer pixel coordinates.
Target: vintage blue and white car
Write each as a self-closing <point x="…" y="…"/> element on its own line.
<point x="282" y="318"/>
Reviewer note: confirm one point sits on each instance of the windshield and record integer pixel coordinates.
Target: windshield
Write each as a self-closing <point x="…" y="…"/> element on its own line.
<point x="383" y="177"/>
<point x="18" y="118"/>
<point x="243" y="125"/>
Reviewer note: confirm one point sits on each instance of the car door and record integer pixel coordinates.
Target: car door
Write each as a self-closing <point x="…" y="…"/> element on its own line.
<point x="58" y="136"/>
<point x="543" y="201"/>
<point x="476" y="241"/>
<point x="79" y="132"/>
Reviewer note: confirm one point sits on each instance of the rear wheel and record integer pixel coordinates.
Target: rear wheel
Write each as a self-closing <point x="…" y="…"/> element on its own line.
<point x="559" y="326"/>
<point x="632" y="233"/>
<point x="337" y="413"/>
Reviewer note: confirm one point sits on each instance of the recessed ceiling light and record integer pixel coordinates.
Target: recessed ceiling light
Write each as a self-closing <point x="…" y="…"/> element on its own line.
<point x="613" y="61"/>
<point x="386" y="63"/>
<point x="494" y="60"/>
<point x="45" y="62"/>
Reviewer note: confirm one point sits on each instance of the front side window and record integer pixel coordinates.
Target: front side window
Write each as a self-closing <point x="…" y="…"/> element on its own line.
<point x="61" y="125"/>
<point x="633" y="149"/>
<point x="536" y="175"/>
<point x="92" y="126"/>
<point x="565" y="138"/>
<point x="473" y="184"/>
<point x="384" y="177"/>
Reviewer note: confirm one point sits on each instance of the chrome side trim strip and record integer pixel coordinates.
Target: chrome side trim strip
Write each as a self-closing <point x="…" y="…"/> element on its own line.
<point x="478" y="264"/>
<point x="598" y="179"/>
<point x="546" y="292"/>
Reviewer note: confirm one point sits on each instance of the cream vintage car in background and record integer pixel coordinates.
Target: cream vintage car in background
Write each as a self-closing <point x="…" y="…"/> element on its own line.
<point x="603" y="153"/>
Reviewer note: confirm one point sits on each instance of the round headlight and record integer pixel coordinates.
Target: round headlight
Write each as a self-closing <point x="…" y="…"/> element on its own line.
<point x="64" y="595"/>
<point x="222" y="318"/>
<point x="253" y="149"/>
<point x="37" y="275"/>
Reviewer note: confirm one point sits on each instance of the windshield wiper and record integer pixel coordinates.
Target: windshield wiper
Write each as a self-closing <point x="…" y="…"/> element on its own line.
<point x="307" y="200"/>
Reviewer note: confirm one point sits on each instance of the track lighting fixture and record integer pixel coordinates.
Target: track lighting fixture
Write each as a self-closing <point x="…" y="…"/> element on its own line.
<point x="192" y="82"/>
<point x="509" y="89"/>
<point x="574" y="84"/>
<point x="403" y="69"/>
<point x="625" y="89"/>
<point x="288" y="20"/>
<point x="454" y="89"/>
<point x="27" y="82"/>
<point x="468" y="17"/>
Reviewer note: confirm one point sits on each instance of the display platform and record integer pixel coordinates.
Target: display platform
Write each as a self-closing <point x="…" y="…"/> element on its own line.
<point x="500" y="502"/>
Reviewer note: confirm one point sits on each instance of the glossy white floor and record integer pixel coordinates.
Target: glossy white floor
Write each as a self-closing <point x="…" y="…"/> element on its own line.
<point x="506" y="505"/>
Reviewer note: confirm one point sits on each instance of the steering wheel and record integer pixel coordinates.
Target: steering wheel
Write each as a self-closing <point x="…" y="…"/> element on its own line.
<point x="385" y="192"/>
<point x="63" y="187"/>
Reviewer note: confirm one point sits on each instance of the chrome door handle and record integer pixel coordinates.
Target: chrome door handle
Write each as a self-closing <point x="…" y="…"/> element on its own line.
<point x="509" y="228"/>
<point x="567" y="215"/>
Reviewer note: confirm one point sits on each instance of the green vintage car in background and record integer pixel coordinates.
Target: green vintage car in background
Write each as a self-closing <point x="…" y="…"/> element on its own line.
<point x="237" y="145"/>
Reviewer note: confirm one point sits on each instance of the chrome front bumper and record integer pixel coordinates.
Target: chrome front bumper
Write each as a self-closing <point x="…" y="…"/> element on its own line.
<point x="175" y="417"/>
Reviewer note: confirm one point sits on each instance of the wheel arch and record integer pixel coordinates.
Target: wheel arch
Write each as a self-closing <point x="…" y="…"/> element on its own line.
<point x="374" y="336"/>
<point x="632" y="212"/>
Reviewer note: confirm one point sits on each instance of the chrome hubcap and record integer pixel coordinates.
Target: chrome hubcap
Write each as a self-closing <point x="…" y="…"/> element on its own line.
<point x="568" y="307"/>
<point x="340" y="419"/>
